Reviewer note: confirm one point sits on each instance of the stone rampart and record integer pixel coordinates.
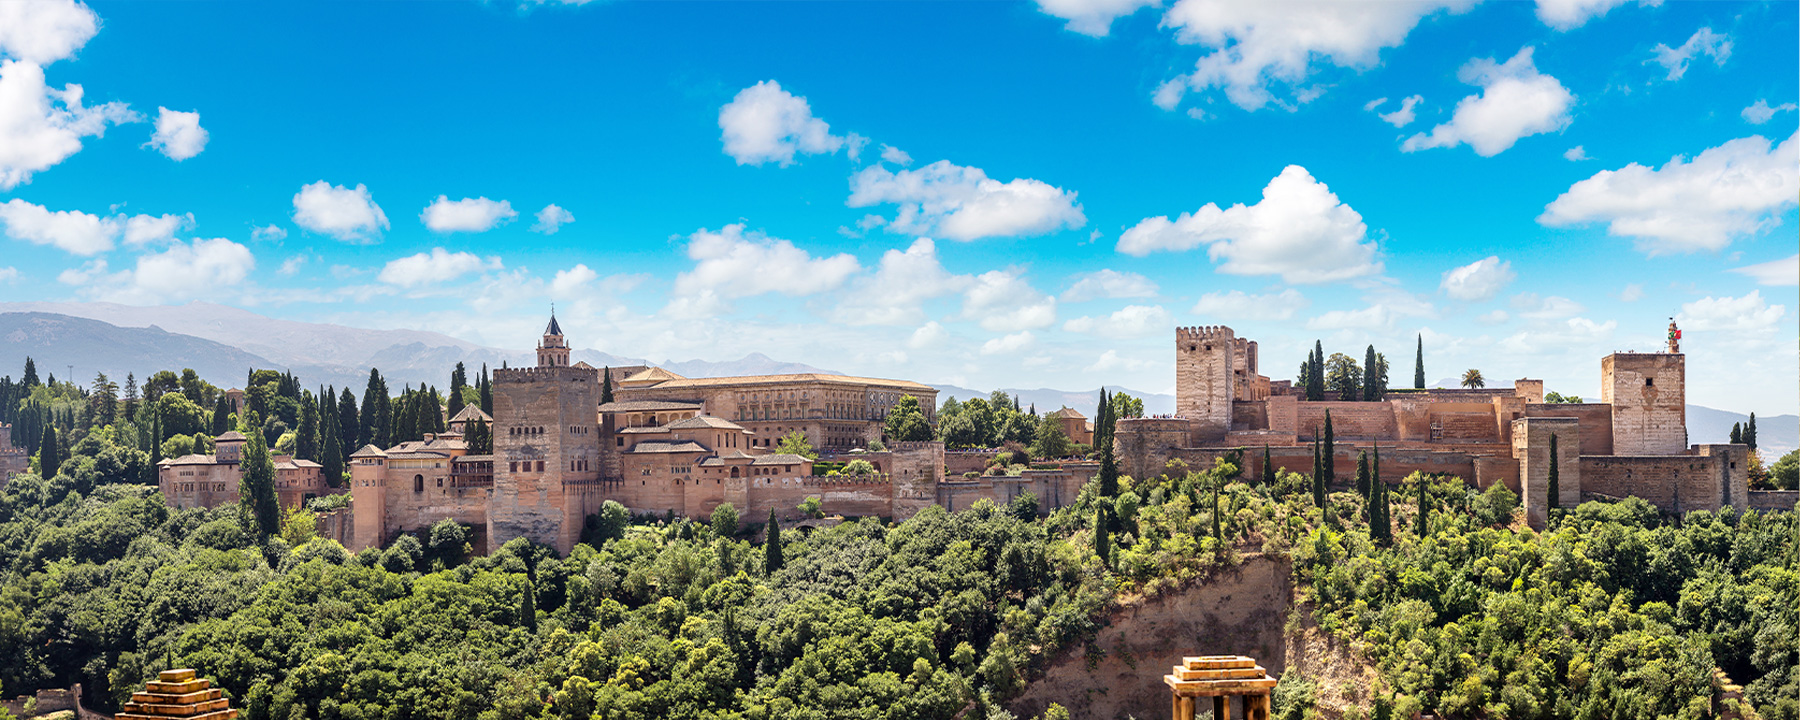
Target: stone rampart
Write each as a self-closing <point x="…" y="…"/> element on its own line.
<point x="1349" y="420"/>
<point x="1774" y="500"/>
<point x="1144" y="445"/>
<point x="1595" y="419"/>
<point x="1676" y="483"/>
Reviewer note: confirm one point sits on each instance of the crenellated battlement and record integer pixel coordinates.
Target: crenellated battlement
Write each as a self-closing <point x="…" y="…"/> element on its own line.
<point x="540" y="374"/>
<point x="1200" y="333"/>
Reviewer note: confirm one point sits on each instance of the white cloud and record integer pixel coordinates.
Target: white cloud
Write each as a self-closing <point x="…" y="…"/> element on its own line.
<point x="1703" y="42"/>
<point x="765" y="123"/>
<point x="291" y="266"/>
<point x="929" y="336"/>
<point x="8" y="275"/>
<point x="1730" y="190"/>
<point x="1001" y="301"/>
<point x="1128" y="322"/>
<point x="71" y="230"/>
<point x="732" y="263"/>
<point x="143" y="229"/>
<point x="1237" y="304"/>
<point x="1256" y="45"/>
<point x="437" y="266"/>
<point x="1749" y="313"/>
<point x="1093" y="18"/>
<point x="1576" y="154"/>
<point x="45" y="31"/>
<point x="963" y="203"/>
<point x="1300" y="231"/>
<point x="902" y="282"/>
<point x="1109" y="284"/>
<point x="1493" y="318"/>
<point x="470" y="215"/>
<point x="178" y="134"/>
<point x="568" y="283"/>
<point x="1554" y="307"/>
<point x="895" y="155"/>
<point x="1571" y="14"/>
<point x="343" y="213"/>
<point x="551" y="219"/>
<point x="1761" y="112"/>
<point x="185" y="271"/>
<point x="1111" y="360"/>
<point x="269" y="233"/>
<point x="1479" y="280"/>
<point x="41" y="126"/>
<point x="1774" y="272"/>
<point x="1007" y="344"/>
<point x="1403" y="116"/>
<point x="1515" y="101"/>
<point x="1386" y="306"/>
<point x="1633" y="292"/>
<point x="1573" y="333"/>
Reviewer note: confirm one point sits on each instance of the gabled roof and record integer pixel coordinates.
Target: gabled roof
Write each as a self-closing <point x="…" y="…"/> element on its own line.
<point x="780" y="459"/>
<point x="296" y="464"/>
<point x="666" y="447"/>
<point x="643" y="429"/>
<point x="647" y="406"/>
<point x="368" y="451"/>
<point x="229" y="436"/>
<point x="724" y="457"/>
<point x="651" y="376"/>
<point x="193" y="459"/>
<point x="705" y="421"/>
<point x="471" y="413"/>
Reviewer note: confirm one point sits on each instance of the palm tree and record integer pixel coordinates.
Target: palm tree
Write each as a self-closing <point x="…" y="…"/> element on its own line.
<point x="1472" y="379"/>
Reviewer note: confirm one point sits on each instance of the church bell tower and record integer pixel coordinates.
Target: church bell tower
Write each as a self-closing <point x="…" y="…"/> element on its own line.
<point x="552" y="350"/>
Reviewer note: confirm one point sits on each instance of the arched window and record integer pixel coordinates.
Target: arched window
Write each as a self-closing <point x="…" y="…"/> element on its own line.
<point x="418" y="483"/>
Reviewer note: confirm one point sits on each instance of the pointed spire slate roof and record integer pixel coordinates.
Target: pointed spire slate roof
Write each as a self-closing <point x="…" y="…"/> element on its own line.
<point x="553" y="329"/>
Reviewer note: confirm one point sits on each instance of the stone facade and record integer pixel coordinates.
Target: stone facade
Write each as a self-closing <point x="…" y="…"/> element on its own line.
<point x="1531" y="446"/>
<point x="196" y="480"/>
<point x="836" y="412"/>
<point x="12" y="460"/>
<point x="1648" y="395"/>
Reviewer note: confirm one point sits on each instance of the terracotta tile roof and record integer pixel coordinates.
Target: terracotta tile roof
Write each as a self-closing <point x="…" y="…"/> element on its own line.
<point x="705" y="421"/>
<point x="193" y="459"/>
<point x="647" y="406"/>
<point x="795" y="378"/>
<point x="472" y="458"/>
<point x="296" y="464"/>
<point x="780" y="459"/>
<point x="650" y="376"/>
<point x="666" y="447"/>
<point x="229" y="436"/>
<point x="368" y="451"/>
<point x="471" y="412"/>
<point x="642" y="430"/>
<point x="1067" y="413"/>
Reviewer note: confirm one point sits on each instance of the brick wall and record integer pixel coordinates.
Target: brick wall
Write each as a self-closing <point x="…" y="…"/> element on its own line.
<point x="1676" y="483"/>
<point x="1595" y="419"/>
<point x="1348" y="419"/>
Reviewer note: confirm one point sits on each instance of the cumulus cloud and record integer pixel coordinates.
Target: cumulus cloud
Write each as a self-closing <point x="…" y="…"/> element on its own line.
<point x="1531" y="305"/>
<point x="431" y="268"/>
<point x="568" y="283"/>
<point x="291" y="266"/>
<point x="1703" y="42"/>
<point x="1761" y="112"/>
<point x="1238" y="304"/>
<point x="1111" y="360"/>
<point x="1479" y="280"/>
<point x="84" y="234"/>
<point x="268" y="233"/>
<point x="1774" y="272"/>
<point x="1300" y="231"/>
<point x="185" y="271"/>
<point x="1688" y="205"/>
<point x="928" y="336"/>
<point x="1128" y="322"/>
<point x="903" y="281"/>
<point x="45" y="31"/>
<point x="551" y="219"/>
<point x="178" y="134"/>
<point x="1576" y="154"/>
<point x="1093" y="18"/>
<point x="732" y="263"/>
<point x="895" y="155"/>
<point x="1573" y="333"/>
<point x="470" y="215"/>
<point x="1002" y="301"/>
<point x="1008" y="343"/>
<point x="1632" y="292"/>
<point x="1748" y="314"/>
<point x="1571" y="14"/>
<point x="343" y="213"/>
<point x="1398" y="118"/>
<point x="1258" y="45"/>
<point x="41" y="126"/>
<point x="1109" y="284"/>
<point x="765" y="123"/>
<point x="963" y="203"/>
<point x="1386" y="307"/>
<point x="1515" y="101"/>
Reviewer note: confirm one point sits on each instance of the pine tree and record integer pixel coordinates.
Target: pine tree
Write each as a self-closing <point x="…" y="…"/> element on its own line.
<point x="1362" y="474"/>
<point x="1268" y="469"/>
<point x="1737" y="433"/>
<point x="1554" y="494"/>
<point x="1102" y="535"/>
<point x="1421" y="526"/>
<point x="606" y="393"/>
<point x="1750" y="432"/>
<point x="1419" y="364"/>
<point x="256" y="485"/>
<point x="772" y="546"/>
<point x="1329" y="450"/>
<point x="48" y="462"/>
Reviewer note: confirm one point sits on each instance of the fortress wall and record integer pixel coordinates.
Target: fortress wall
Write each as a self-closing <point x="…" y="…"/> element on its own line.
<point x="1249" y="415"/>
<point x="1501" y="469"/>
<point x="1348" y="419"/>
<point x="1595" y="419"/>
<point x="701" y="495"/>
<point x="1466" y="427"/>
<point x="1283" y="414"/>
<point x="655" y="493"/>
<point x="1774" y="500"/>
<point x="917" y="469"/>
<point x="409" y="510"/>
<point x="1677" y="483"/>
<point x="957" y="462"/>
<point x="1144" y="445"/>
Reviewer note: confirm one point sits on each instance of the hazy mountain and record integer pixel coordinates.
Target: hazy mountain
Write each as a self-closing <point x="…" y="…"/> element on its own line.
<point x="1775" y="435"/>
<point x="1049" y="400"/>
<point x="752" y="364"/>
<point x="56" y="342"/>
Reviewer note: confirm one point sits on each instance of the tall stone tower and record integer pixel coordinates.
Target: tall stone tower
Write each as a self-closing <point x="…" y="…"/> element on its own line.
<point x="1648" y="394"/>
<point x="546" y="447"/>
<point x="1204" y="380"/>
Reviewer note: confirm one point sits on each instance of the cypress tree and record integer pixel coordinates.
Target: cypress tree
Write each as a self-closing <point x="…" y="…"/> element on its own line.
<point x="1371" y="387"/>
<point x="1419" y="365"/>
<point x="1315" y="382"/>
<point x="1268" y="473"/>
<point x="458" y="379"/>
<point x="1383" y="530"/>
<point x="384" y="415"/>
<point x="153" y="472"/>
<point x="1362" y="475"/>
<point x="1420" y="524"/>
<point x="1750" y="432"/>
<point x="1218" y="528"/>
<point x="1330" y="450"/>
<point x="30" y="379"/>
<point x="1555" y="491"/>
<point x="221" y="418"/>
<point x="1102" y="535"/>
<point x="528" y="607"/>
<point x="1737" y="433"/>
<point x="256" y="484"/>
<point x="487" y="392"/>
<point x="1318" y="475"/>
<point x="48" y="462"/>
<point x="369" y="423"/>
<point x="306" y="437"/>
<point x="480" y="439"/>
<point x="349" y="424"/>
<point x="772" y="547"/>
<point x="331" y="455"/>
<point x="606" y="394"/>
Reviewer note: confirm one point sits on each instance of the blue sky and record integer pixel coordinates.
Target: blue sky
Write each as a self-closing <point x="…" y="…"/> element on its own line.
<point x="989" y="194"/>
